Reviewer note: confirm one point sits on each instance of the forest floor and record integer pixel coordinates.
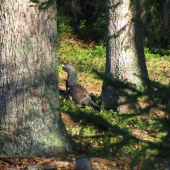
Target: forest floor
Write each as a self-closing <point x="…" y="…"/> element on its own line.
<point x="159" y="70"/>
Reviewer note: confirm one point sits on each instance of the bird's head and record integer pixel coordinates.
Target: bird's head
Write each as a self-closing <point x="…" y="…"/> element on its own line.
<point x="72" y="75"/>
<point x="68" y="68"/>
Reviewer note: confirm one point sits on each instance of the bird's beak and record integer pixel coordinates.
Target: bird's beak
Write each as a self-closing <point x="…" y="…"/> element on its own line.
<point x="62" y="65"/>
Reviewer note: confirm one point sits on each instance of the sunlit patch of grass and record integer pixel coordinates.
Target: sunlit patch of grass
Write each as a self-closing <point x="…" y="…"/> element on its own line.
<point x="84" y="60"/>
<point x="159" y="70"/>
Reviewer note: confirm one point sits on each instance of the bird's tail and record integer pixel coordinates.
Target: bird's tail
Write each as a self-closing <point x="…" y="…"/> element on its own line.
<point x="92" y="103"/>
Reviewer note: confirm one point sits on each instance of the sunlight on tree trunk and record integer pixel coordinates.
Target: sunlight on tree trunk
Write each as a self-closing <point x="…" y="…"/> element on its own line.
<point x="30" y="121"/>
<point x="124" y="49"/>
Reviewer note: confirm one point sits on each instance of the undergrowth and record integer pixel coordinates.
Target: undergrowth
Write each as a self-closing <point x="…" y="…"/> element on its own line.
<point x="105" y="133"/>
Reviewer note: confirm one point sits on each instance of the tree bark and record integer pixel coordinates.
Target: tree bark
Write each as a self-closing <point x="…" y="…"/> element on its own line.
<point x="165" y="12"/>
<point x="124" y="48"/>
<point x="30" y="121"/>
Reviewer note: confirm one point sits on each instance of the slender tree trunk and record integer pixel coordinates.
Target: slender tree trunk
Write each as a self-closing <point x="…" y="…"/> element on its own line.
<point x="124" y="49"/>
<point x="30" y="121"/>
<point x="165" y="12"/>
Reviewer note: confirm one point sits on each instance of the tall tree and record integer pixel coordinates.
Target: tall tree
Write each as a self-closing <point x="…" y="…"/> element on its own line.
<point x="30" y="121"/>
<point x="124" y="47"/>
<point x="165" y="12"/>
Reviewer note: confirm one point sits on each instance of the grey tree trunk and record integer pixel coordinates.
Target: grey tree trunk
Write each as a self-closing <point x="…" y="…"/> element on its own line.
<point x="30" y="121"/>
<point x="124" y="49"/>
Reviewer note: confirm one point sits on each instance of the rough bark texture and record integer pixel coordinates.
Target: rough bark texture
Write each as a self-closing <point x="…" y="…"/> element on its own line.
<point x="124" y="50"/>
<point x="30" y="122"/>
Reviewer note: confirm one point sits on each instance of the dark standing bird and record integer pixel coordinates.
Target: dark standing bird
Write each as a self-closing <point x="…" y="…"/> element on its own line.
<point x="74" y="90"/>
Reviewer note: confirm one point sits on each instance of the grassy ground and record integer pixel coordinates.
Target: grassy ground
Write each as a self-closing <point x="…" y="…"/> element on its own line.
<point x="85" y="58"/>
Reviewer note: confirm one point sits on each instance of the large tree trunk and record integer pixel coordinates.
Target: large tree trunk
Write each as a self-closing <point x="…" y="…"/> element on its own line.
<point x="124" y="49"/>
<point x="30" y="121"/>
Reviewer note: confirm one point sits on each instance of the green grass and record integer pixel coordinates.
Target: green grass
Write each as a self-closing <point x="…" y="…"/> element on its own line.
<point x="85" y="60"/>
<point x="107" y="143"/>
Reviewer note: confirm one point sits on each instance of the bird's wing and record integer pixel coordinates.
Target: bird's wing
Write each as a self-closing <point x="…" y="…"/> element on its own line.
<point x="79" y="94"/>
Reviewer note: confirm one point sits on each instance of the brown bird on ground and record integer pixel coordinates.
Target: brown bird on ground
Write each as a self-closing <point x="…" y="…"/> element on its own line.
<point x="74" y="90"/>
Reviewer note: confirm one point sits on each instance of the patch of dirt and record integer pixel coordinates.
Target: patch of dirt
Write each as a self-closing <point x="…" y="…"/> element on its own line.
<point x="28" y="163"/>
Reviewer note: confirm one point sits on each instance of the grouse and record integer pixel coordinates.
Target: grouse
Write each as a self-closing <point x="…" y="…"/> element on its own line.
<point x="74" y="90"/>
